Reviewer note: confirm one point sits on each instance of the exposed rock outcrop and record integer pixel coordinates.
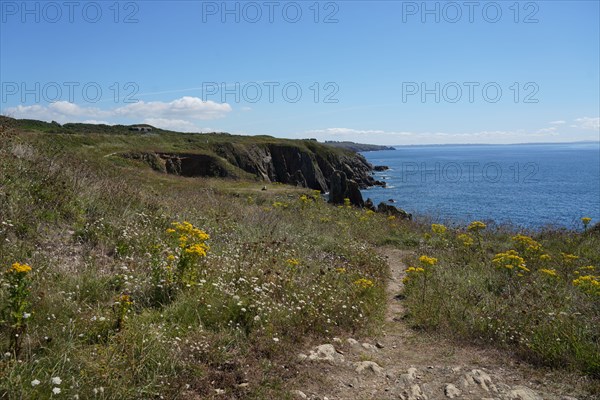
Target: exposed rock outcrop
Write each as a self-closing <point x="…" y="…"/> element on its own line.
<point x="343" y="188"/>
<point x="304" y="163"/>
<point x="391" y="210"/>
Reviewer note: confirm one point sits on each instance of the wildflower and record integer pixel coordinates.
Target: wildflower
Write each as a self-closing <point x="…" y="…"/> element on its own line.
<point x="526" y="243"/>
<point x="391" y="217"/>
<point x="589" y="284"/>
<point x="304" y="199"/>
<point x="569" y="258"/>
<point x="466" y="239"/>
<point x="438" y="229"/>
<point x="293" y="262"/>
<point x="415" y="270"/>
<point x="347" y="202"/>
<point x="586" y="221"/>
<point x="550" y="272"/>
<point x="545" y="257"/>
<point x="476" y="226"/>
<point x="428" y="260"/>
<point x="587" y="268"/>
<point x="56" y="390"/>
<point x="198" y="249"/>
<point x="341" y="270"/>
<point x="364" y="283"/>
<point x="509" y="260"/>
<point x="56" y="380"/>
<point x="35" y="382"/>
<point x="276" y="339"/>
<point x="19" y="268"/>
<point x="26" y="315"/>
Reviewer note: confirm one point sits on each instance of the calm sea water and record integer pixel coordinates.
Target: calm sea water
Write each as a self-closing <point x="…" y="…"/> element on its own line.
<point x="529" y="185"/>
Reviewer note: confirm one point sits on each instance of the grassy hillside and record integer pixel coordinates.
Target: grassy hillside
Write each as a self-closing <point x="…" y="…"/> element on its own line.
<point x="126" y="283"/>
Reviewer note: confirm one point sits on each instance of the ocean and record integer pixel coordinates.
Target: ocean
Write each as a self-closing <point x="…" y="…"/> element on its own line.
<point x="529" y="186"/>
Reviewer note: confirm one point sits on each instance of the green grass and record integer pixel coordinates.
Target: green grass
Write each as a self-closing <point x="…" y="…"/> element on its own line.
<point x="534" y="307"/>
<point x="280" y="274"/>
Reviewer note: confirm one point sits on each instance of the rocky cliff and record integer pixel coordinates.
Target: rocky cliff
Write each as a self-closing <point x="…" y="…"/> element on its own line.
<point x="303" y="163"/>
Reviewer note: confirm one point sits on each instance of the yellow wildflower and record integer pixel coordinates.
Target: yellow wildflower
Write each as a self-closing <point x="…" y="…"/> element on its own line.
<point x="545" y="257"/>
<point x="466" y="239"/>
<point x="197" y="249"/>
<point x="526" y="243"/>
<point x="19" y="268"/>
<point x="509" y="260"/>
<point x="391" y="217"/>
<point x="586" y="221"/>
<point x="550" y="272"/>
<point x="364" y="283"/>
<point x="428" y="260"/>
<point x="293" y="261"/>
<point x="569" y="258"/>
<point x="589" y="284"/>
<point x="438" y="229"/>
<point x="341" y="270"/>
<point x="476" y="226"/>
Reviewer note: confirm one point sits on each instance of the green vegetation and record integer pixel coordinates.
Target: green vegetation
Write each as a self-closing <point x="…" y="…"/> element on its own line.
<point x="127" y="283"/>
<point x="537" y="295"/>
<point x="122" y="303"/>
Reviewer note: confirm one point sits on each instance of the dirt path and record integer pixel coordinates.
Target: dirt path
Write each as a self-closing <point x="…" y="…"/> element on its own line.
<point x="404" y="364"/>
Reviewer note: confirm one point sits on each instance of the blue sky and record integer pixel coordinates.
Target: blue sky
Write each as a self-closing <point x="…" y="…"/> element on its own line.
<point x="388" y="72"/>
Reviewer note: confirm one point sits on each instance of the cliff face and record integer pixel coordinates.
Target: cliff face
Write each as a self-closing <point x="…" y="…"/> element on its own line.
<point x="310" y="165"/>
<point x="307" y="164"/>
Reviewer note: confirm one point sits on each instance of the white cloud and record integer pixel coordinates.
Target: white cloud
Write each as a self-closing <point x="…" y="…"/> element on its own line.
<point x="559" y="122"/>
<point x="588" y="123"/>
<point x="179" y="125"/>
<point x="397" y="137"/>
<point x="190" y="107"/>
<point x="178" y="111"/>
<point x="349" y="131"/>
<point x="96" y="122"/>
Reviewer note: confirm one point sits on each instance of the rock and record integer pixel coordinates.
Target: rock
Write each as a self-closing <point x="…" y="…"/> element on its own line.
<point x="451" y="391"/>
<point x="371" y="366"/>
<point x="523" y="393"/>
<point x="368" y="346"/>
<point x="415" y="393"/>
<point x="369" y="205"/>
<point x="354" y="194"/>
<point x="327" y="353"/>
<point x="299" y="394"/>
<point x="380" y="168"/>
<point x="302" y="357"/>
<point x="391" y="210"/>
<point x="379" y="345"/>
<point x="338" y="188"/>
<point x="343" y="188"/>
<point x="480" y="378"/>
<point x="352" y="342"/>
<point x="409" y="377"/>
